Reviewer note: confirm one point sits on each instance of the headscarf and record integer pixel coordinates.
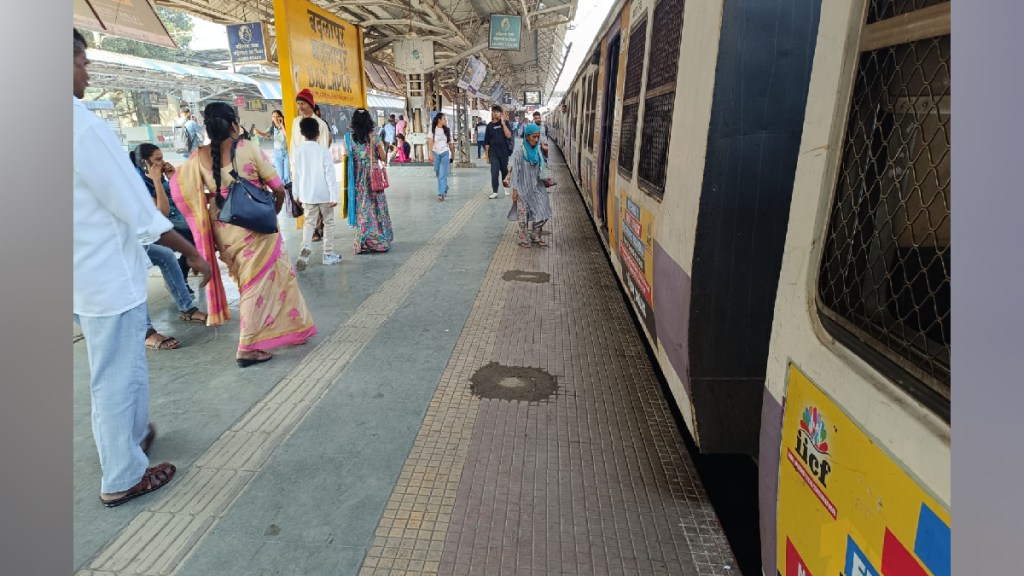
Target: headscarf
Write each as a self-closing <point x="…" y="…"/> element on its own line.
<point x="532" y="153"/>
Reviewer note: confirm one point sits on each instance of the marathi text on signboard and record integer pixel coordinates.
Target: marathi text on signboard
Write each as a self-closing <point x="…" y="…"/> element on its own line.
<point x="506" y="32"/>
<point x="844" y="505"/>
<point x="320" y="52"/>
<point x="247" y="42"/>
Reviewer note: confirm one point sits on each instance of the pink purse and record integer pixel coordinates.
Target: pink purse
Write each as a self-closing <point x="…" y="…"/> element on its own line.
<point x="378" y="175"/>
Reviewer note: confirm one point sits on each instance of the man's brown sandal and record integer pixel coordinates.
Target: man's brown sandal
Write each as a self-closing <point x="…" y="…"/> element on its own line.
<point x="155" y="478"/>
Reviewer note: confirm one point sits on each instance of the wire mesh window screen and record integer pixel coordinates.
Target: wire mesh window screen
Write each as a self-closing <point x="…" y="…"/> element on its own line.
<point x="883" y="9"/>
<point x="627" y="138"/>
<point x="885" y="271"/>
<point x="668" y="15"/>
<point x="660" y="96"/>
<point x="654" y="151"/>
<point x="635" y="53"/>
<point x="635" y="60"/>
<point x="592" y="114"/>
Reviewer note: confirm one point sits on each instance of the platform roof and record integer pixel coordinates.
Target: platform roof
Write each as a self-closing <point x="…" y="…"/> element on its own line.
<point x="457" y="26"/>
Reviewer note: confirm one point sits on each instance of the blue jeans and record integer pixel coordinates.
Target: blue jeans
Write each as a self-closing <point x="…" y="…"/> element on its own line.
<point x="119" y="384"/>
<point x="281" y="164"/>
<point x="164" y="257"/>
<point x="442" y="166"/>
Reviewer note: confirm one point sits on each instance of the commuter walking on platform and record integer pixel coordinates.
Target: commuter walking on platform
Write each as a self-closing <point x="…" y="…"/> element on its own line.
<point x="439" y="152"/>
<point x="498" y="149"/>
<point x="529" y="196"/>
<point x="112" y="220"/>
<point x="369" y="208"/>
<point x="481" y="136"/>
<point x="272" y="310"/>
<point x="317" y="189"/>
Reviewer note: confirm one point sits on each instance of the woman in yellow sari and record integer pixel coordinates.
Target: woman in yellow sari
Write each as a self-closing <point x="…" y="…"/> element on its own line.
<point x="272" y="309"/>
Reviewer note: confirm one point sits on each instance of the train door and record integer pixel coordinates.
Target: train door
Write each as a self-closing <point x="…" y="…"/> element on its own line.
<point x="607" y="125"/>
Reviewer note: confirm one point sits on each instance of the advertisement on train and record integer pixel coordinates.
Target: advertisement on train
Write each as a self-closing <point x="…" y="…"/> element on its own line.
<point x="636" y="250"/>
<point x="846" y="507"/>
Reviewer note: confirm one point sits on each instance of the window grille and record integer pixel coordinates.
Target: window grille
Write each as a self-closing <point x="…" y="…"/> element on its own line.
<point x="635" y="53"/>
<point x="660" y="96"/>
<point x="885" y="269"/>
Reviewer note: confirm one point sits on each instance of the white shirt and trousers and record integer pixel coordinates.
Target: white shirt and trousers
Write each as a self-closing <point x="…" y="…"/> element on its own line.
<point x="314" y="185"/>
<point x="114" y="218"/>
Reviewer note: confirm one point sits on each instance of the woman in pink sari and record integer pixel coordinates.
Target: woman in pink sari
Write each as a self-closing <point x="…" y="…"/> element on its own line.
<point x="272" y="309"/>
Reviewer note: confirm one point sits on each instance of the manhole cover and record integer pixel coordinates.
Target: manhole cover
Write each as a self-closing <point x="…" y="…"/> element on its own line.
<point x="524" y="276"/>
<point x="513" y="383"/>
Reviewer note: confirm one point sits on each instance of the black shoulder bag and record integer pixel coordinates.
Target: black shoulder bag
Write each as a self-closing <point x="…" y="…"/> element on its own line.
<point x="248" y="205"/>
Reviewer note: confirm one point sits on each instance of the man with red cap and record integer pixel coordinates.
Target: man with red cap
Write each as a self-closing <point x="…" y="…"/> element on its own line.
<point x="306" y="104"/>
<point x="304" y="99"/>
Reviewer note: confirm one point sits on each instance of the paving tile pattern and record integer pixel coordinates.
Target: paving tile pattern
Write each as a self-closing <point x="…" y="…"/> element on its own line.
<point x="160" y="538"/>
<point x="595" y="480"/>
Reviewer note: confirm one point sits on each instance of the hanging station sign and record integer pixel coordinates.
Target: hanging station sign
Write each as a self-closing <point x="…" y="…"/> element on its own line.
<point x="506" y="32"/>
<point x="248" y="42"/>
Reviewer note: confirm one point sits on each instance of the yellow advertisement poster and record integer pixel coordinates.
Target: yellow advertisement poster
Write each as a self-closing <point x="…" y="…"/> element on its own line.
<point x="636" y="250"/>
<point x="845" y="507"/>
<point x="319" y="51"/>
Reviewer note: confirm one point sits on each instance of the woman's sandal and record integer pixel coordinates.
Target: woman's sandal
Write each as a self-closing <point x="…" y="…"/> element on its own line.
<point x="524" y="245"/>
<point x="190" y="316"/>
<point x="164" y="342"/>
<point x="154" y="478"/>
<point x="264" y="356"/>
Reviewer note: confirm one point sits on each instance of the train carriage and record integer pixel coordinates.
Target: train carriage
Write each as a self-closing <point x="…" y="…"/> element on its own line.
<point x="771" y="182"/>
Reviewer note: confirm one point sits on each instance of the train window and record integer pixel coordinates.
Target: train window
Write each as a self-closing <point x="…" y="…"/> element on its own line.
<point x="631" y="97"/>
<point x="880" y="10"/>
<point x="660" y="96"/>
<point x="592" y="112"/>
<point x="884" y="283"/>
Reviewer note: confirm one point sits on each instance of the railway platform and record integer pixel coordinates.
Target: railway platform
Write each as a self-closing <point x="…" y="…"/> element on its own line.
<point x="469" y="407"/>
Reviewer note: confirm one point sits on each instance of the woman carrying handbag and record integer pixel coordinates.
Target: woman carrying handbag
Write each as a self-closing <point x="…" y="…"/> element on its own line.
<point x="366" y="183"/>
<point x="232" y="175"/>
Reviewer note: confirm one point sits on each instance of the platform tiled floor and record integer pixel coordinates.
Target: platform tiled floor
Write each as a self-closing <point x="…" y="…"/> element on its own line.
<point x="370" y="454"/>
<point x="595" y="480"/>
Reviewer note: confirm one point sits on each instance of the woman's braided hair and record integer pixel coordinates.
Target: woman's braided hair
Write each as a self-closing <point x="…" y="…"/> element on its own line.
<point x="220" y="119"/>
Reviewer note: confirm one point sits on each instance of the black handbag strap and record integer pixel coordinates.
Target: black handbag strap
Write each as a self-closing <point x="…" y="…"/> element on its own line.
<point x="234" y="169"/>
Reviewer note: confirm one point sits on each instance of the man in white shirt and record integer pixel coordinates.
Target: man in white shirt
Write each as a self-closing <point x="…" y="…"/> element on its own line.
<point x="304" y="100"/>
<point x="113" y="219"/>
<point x="316" y="187"/>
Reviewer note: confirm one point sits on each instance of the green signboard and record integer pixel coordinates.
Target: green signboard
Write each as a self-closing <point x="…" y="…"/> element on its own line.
<point x="506" y="32"/>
